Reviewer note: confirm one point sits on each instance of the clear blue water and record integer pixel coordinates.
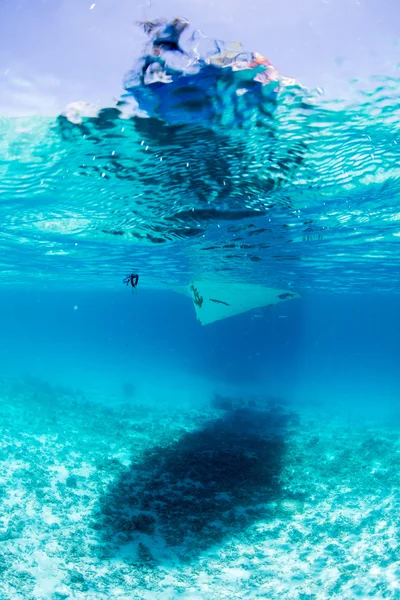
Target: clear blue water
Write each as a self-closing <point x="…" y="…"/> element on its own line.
<point x="323" y="347"/>
<point x="143" y="455"/>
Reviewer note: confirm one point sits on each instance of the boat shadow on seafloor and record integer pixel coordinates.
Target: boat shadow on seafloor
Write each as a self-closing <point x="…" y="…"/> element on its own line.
<point x="204" y="489"/>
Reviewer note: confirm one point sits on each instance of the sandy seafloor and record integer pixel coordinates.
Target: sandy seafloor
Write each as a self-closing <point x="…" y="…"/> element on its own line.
<point x="233" y="498"/>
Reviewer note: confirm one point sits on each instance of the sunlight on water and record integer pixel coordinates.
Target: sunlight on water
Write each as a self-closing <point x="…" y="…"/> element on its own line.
<point x="300" y="186"/>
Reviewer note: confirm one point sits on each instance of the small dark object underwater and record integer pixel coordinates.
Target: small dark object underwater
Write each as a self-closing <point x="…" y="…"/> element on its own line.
<point x="132" y="280"/>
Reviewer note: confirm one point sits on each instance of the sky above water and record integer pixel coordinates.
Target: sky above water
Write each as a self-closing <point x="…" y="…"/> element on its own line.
<point x="53" y="52"/>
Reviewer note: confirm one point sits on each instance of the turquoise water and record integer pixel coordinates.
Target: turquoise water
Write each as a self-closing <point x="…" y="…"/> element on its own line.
<point x="143" y="455"/>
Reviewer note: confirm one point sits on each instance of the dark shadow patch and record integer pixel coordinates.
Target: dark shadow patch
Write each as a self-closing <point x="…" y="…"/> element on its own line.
<point x="113" y="231"/>
<point x="215" y="214"/>
<point x="208" y="486"/>
<point x="218" y="301"/>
